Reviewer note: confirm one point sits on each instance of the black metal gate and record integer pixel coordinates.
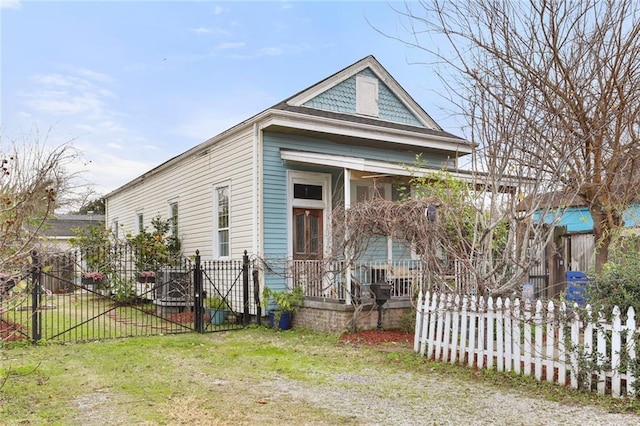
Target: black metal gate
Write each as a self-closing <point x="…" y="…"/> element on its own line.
<point x="60" y="301"/>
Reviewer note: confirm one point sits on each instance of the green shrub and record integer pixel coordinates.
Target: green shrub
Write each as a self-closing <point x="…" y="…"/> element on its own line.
<point x="619" y="282"/>
<point x="407" y="321"/>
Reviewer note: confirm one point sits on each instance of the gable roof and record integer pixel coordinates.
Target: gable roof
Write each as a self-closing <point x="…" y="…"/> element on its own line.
<point x="371" y="64"/>
<point x="62" y="226"/>
<point x="427" y="134"/>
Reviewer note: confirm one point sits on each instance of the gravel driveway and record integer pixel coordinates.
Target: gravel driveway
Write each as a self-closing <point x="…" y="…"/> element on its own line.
<point x="422" y="400"/>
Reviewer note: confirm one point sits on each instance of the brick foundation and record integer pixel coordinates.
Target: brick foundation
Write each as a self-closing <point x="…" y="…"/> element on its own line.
<point x="332" y="317"/>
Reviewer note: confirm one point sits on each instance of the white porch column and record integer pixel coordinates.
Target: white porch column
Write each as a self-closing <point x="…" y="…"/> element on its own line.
<point x="347" y="255"/>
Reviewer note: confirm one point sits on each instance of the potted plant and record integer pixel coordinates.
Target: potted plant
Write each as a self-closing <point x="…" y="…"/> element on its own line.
<point x="146" y="277"/>
<point x="92" y="279"/>
<point x="217" y="309"/>
<point x="154" y="249"/>
<point x="94" y="243"/>
<point x="285" y="303"/>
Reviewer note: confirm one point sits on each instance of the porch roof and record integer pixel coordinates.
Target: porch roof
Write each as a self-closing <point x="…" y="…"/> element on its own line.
<point x="390" y="168"/>
<point x="361" y="164"/>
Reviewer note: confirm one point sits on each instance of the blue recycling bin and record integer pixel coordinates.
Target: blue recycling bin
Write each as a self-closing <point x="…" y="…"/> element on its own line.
<point x="577" y="288"/>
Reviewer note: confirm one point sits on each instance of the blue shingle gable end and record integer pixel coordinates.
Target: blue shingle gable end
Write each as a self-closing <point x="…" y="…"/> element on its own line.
<point x="342" y="98"/>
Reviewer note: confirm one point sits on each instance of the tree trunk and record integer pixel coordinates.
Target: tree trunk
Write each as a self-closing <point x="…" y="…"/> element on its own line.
<point x="603" y="235"/>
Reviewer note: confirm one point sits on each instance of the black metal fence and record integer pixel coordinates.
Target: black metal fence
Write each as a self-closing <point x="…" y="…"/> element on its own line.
<point x="62" y="299"/>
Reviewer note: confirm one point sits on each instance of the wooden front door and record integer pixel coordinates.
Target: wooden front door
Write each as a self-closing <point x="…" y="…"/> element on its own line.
<point x="307" y="234"/>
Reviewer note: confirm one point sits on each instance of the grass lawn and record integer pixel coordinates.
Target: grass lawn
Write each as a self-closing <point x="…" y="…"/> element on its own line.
<point x="74" y="317"/>
<point x="239" y="377"/>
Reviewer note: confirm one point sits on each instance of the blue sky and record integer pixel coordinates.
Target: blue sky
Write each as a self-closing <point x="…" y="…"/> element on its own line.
<point x="135" y="83"/>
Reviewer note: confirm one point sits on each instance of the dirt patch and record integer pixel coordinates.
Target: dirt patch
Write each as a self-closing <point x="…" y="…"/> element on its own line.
<point x="11" y="332"/>
<point x="182" y="317"/>
<point x="377" y="337"/>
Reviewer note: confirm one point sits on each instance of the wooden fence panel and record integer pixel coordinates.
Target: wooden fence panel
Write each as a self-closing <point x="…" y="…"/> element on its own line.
<point x="631" y="350"/>
<point x="550" y="337"/>
<point x="499" y="335"/>
<point x="527" y="338"/>
<point x="481" y="329"/>
<point x="455" y="335"/>
<point x="537" y="348"/>
<point x="472" y="331"/>
<point x="552" y="344"/>
<point x="588" y="342"/>
<point x="616" y="344"/>
<point x="508" y="336"/>
<point x="464" y="322"/>
<point x="490" y="342"/>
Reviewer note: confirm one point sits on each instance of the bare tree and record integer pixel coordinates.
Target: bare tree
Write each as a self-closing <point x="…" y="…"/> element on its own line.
<point x="33" y="179"/>
<point x="549" y="90"/>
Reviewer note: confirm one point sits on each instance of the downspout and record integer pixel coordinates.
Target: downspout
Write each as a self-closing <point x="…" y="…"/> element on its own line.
<point x="256" y="191"/>
<point x="347" y="254"/>
<point x="256" y="216"/>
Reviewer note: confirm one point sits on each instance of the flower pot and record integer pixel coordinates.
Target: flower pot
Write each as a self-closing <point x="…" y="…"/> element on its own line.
<point x="92" y="284"/>
<point x="145" y="278"/>
<point x="217" y="316"/>
<point x="284" y="322"/>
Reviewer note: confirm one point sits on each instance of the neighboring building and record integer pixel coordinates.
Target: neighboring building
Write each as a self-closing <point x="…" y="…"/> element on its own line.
<point x="269" y="184"/>
<point x="55" y="238"/>
<point x="573" y="245"/>
<point x="59" y="229"/>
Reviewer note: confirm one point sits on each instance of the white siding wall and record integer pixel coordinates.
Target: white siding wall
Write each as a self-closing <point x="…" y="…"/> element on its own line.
<point x="190" y="182"/>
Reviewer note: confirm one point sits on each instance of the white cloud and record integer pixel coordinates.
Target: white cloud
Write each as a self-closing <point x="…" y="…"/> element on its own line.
<point x="82" y="93"/>
<point x="61" y="103"/>
<point x="114" y="145"/>
<point x="271" y="51"/>
<point x="205" y="124"/>
<point x="230" y="45"/>
<point x="109" y="171"/>
<point x="93" y="75"/>
<point x="200" y="30"/>
<point x="10" y="4"/>
<point x="217" y="10"/>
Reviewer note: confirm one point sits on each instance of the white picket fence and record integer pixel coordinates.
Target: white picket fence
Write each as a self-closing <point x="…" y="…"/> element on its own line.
<point x="550" y="344"/>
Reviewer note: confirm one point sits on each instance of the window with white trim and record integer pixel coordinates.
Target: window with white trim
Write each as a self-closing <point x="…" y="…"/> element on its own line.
<point x="139" y="222"/>
<point x="173" y="218"/>
<point x="222" y="223"/>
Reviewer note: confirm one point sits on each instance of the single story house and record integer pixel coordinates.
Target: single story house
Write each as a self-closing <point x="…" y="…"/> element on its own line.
<point x="269" y="184"/>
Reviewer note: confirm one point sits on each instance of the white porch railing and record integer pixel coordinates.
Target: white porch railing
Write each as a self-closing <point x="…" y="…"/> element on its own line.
<point x="328" y="279"/>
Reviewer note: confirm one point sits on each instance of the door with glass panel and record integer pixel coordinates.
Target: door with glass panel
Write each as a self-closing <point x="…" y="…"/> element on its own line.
<point x="307" y="234"/>
<point x="308" y="268"/>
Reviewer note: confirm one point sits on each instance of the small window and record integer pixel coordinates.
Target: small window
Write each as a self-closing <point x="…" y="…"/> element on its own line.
<point x="174" y="218"/>
<point x="307" y="192"/>
<point x="222" y="222"/>
<point x="140" y="222"/>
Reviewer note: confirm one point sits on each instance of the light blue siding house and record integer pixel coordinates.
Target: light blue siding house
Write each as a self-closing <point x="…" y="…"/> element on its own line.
<point x="269" y="184"/>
